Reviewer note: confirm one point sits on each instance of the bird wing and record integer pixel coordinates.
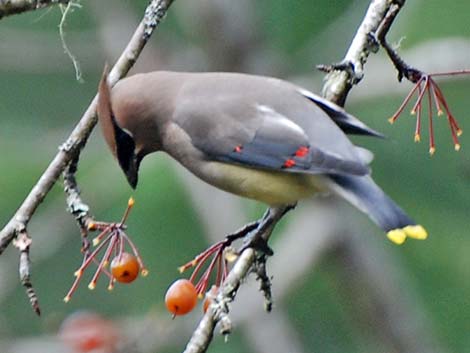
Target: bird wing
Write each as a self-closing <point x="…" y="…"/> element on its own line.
<point x="346" y="122"/>
<point x="233" y="129"/>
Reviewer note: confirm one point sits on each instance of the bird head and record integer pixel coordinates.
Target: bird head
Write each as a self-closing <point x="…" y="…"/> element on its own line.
<point x="118" y="134"/>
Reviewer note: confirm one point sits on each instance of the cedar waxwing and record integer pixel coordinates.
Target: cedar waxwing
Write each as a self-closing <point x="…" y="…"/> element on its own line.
<point x="257" y="137"/>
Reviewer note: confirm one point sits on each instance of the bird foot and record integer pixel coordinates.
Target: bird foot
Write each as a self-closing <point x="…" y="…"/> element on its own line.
<point x="255" y="241"/>
<point x="253" y="238"/>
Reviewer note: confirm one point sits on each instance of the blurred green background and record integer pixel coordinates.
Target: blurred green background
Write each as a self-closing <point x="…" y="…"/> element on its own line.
<point x="326" y="309"/>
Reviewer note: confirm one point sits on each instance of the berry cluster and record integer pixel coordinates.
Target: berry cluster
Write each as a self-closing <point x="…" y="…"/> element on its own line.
<point x="426" y="88"/>
<point x="125" y="266"/>
<point x="182" y="295"/>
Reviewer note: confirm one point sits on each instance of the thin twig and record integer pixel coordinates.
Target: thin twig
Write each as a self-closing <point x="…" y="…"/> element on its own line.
<point x="23" y="243"/>
<point x="404" y="70"/>
<point x="13" y="7"/>
<point x="65" y="12"/>
<point x="265" y="282"/>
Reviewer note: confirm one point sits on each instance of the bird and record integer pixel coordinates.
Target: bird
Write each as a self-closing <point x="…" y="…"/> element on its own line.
<point x="258" y="137"/>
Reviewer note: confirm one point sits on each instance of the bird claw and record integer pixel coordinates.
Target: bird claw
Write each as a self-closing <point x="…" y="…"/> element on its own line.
<point x="256" y="242"/>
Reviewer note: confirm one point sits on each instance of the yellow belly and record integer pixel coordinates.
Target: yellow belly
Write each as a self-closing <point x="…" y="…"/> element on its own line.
<point x="270" y="187"/>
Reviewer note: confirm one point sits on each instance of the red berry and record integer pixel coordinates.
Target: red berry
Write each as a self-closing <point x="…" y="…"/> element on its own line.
<point x="181" y="297"/>
<point x="86" y="332"/>
<point x="125" y="268"/>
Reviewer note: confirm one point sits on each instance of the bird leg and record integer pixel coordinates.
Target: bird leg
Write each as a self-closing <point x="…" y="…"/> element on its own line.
<point x="255" y="236"/>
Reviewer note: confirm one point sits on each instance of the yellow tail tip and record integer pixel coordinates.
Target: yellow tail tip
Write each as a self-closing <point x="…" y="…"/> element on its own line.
<point x="416" y="232"/>
<point x="398" y="236"/>
<point x="131" y="201"/>
<point x="67" y="299"/>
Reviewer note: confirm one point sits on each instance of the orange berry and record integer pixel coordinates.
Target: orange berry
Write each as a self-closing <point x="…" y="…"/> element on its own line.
<point x="181" y="297"/>
<point x="125" y="268"/>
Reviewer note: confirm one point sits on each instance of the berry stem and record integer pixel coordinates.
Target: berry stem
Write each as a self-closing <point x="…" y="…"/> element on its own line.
<point x="203" y="282"/>
<point x="103" y="263"/>
<point x="74" y="284"/>
<point x="421" y="94"/>
<point x="130" y="204"/>
<point x="405" y="102"/>
<point x="432" y="146"/>
<point x="418" y="120"/>
<point x="452" y="73"/>
<point x="200" y="262"/>
<point x="436" y="99"/>
<point x="201" y="257"/>
<point x="100" y="236"/>
<point x="90" y="257"/>
<point x="143" y="269"/>
<point x="104" y="270"/>
<point x="220" y="274"/>
<point x="454" y="127"/>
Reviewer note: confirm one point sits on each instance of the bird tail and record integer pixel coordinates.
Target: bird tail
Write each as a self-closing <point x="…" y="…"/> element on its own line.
<point x="362" y="192"/>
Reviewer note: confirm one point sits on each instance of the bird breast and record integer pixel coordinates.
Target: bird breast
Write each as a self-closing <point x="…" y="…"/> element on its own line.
<point x="271" y="187"/>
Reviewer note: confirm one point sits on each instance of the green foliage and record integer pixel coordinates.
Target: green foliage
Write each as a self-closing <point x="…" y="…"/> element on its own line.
<point x="288" y="25"/>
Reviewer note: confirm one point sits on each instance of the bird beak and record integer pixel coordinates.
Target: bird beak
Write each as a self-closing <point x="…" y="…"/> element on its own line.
<point x="119" y="140"/>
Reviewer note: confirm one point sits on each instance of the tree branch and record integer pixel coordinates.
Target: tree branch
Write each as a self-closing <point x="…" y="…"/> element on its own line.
<point x="350" y="71"/>
<point x="70" y="150"/>
<point x="218" y="311"/>
<point x="13" y="7"/>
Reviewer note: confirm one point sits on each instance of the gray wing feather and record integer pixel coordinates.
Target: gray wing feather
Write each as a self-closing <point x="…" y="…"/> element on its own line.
<point x="347" y="122"/>
<point x="273" y="128"/>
